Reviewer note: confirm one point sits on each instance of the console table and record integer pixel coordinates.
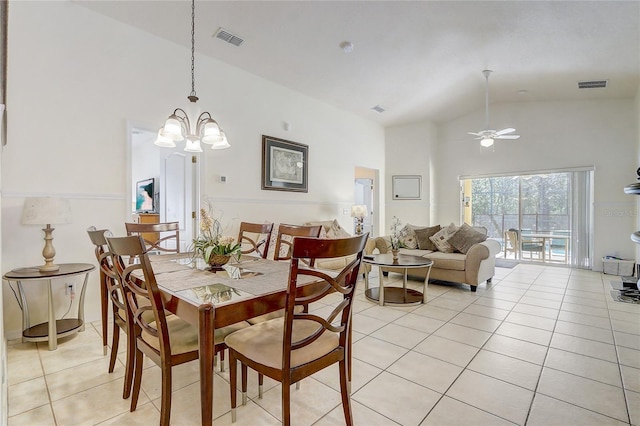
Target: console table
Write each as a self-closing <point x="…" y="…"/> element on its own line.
<point x="396" y="295"/>
<point x="52" y="329"/>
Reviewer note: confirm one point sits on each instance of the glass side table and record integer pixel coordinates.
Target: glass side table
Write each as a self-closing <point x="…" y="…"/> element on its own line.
<point x="52" y="329"/>
<point x="396" y="295"/>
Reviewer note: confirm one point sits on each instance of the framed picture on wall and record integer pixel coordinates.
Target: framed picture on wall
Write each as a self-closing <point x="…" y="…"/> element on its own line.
<point x="284" y="165"/>
<point x="406" y="187"/>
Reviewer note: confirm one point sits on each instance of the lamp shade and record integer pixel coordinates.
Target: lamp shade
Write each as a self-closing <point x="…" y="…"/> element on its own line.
<point x="163" y="140"/>
<point x="46" y="211"/>
<point x="193" y="144"/>
<point x="173" y="128"/>
<point x="486" y="142"/>
<point x="223" y="143"/>
<point x="211" y="132"/>
<point x="359" y="210"/>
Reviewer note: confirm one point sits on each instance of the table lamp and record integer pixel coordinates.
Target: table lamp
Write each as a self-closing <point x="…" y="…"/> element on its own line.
<point x="359" y="212"/>
<point x="46" y="211"/>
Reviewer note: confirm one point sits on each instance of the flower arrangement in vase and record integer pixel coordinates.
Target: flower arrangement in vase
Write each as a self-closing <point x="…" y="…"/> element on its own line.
<point x="215" y="248"/>
<point x="396" y="233"/>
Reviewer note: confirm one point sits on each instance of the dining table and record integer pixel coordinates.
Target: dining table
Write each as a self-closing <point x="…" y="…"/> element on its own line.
<point x="208" y="299"/>
<point x="545" y="239"/>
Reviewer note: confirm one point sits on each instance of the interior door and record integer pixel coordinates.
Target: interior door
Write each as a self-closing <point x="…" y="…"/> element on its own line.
<point x="364" y="195"/>
<point x="176" y="192"/>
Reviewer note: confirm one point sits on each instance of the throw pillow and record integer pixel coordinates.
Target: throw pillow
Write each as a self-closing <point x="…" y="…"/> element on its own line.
<point x="408" y="237"/>
<point x="336" y="231"/>
<point x="423" y="234"/>
<point x="465" y="237"/>
<point x="440" y="238"/>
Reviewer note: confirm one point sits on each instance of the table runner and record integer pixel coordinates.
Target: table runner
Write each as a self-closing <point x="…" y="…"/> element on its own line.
<point x="273" y="276"/>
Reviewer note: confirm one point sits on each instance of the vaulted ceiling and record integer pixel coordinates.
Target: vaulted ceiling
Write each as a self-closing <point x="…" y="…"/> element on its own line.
<point x="416" y="59"/>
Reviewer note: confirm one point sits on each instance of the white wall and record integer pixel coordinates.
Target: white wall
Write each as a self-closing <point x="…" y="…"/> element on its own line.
<point x="76" y="78"/>
<point x="555" y="135"/>
<point x="410" y="150"/>
<point x="636" y="113"/>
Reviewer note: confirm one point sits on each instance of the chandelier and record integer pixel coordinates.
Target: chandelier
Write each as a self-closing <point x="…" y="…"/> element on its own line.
<point x="178" y="127"/>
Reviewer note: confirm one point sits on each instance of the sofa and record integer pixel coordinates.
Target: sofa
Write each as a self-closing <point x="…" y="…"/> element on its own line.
<point x="472" y="263"/>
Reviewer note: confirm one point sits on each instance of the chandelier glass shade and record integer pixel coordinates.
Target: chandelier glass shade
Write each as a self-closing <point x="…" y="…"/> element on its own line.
<point x="178" y="127"/>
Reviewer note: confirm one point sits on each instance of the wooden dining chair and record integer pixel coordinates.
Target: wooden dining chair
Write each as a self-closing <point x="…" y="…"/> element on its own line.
<point x="284" y="243"/>
<point x="158" y="237"/>
<point x="111" y="291"/>
<point x="511" y="243"/>
<point x="286" y="236"/>
<point x="300" y="344"/>
<point x="255" y="238"/>
<point x="165" y="339"/>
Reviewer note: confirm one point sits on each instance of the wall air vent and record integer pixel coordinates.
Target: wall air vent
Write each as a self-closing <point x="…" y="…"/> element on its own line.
<point x="378" y="108"/>
<point x="595" y="84"/>
<point x="225" y="35"/>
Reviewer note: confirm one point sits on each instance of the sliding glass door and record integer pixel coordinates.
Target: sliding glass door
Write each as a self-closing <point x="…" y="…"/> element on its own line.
<point x="548" y="214"/>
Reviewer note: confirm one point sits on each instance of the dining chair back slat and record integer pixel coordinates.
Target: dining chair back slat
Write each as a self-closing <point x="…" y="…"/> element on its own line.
<point x="287" y="235"/>
<point x="255" y="238"/>
<point x="159" y="237"/>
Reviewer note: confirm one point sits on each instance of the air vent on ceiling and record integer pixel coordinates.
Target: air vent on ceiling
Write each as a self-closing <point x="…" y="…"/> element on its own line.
<point x="595" y="84"/>
<point x="225" y="35"/>
<point x="378" y="108"/>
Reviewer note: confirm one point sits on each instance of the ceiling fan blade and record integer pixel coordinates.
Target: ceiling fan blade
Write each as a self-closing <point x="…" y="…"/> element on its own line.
<point x="508" y="137"/>
<point x="475" y="134"/>
<point x="505" y="131"/>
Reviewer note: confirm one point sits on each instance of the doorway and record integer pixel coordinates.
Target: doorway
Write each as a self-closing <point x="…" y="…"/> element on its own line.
<point x="365" y="194"/>
<point x="176" y="173"/>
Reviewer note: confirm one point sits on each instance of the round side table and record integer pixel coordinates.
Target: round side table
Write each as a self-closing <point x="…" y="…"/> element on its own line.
<point x="52" y="329"/>
<point x="397" y="295"/>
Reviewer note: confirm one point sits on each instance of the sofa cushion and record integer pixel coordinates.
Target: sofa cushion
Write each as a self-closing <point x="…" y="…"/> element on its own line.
<point x="451" y="261"/>
<point x="408" y="237"/>
<point x="337" y="231"/>
<point x="465" y="237"/>
<point x="422" y="236"/>
<point x="440" y="238"/>
<point x="415" y="252"/>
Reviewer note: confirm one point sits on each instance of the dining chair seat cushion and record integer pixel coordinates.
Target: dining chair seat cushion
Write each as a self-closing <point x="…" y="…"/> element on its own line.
<point x="183" y="336"/>
<point x="263" y="342"/>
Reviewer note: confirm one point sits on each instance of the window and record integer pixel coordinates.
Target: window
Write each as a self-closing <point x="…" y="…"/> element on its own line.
<point x="546" y="204"/>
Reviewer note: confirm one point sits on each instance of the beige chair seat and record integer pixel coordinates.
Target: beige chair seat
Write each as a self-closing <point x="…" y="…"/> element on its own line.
<point x="183" y="336"/>
<point x="272" y="315"/>
<point x="263" y="342"/>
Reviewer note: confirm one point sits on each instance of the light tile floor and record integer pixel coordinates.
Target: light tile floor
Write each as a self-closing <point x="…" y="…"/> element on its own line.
<point x="541" y="345"/>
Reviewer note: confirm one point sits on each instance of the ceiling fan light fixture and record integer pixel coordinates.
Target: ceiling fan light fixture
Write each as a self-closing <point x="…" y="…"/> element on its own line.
<point x="488" y="136"/>
<point x="486" y="142"/>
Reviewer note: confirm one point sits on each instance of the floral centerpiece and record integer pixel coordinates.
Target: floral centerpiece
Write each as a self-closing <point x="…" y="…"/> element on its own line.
<point x="396" y="233"/>
<point x="215" y="248"/>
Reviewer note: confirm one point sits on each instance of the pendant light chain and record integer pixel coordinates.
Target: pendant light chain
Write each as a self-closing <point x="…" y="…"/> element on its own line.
<point x="178" y="127"/>
<point x="193" y="48"/>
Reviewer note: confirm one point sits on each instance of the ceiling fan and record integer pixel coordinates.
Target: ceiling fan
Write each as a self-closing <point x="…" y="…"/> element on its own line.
<point x="487" y="136"/>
